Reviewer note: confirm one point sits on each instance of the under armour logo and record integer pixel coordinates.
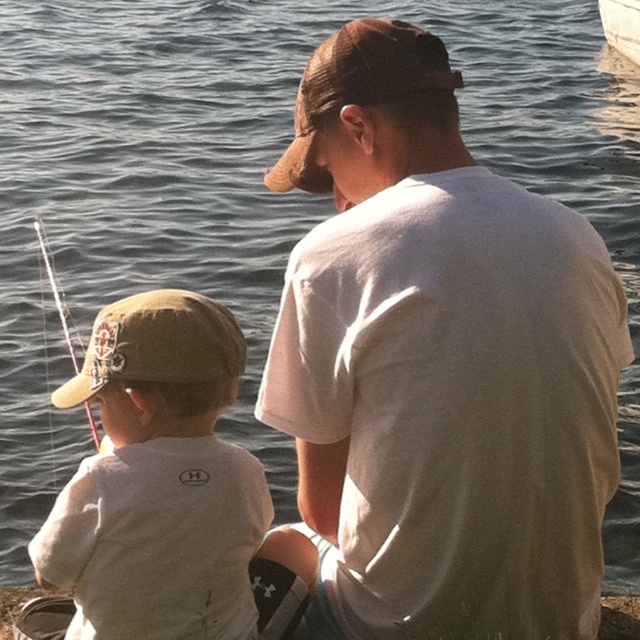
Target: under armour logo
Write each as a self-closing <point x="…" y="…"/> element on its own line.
<point x="194" y="477"/>
<point x="266" y="590"/>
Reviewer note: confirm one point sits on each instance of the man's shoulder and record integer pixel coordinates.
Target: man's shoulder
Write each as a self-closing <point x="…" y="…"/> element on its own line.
<point x="360" y="225"/>
<point x="400" y="205"/>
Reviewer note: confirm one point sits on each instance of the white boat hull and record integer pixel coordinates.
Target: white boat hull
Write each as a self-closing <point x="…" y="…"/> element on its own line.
<point x="621" y="24"/>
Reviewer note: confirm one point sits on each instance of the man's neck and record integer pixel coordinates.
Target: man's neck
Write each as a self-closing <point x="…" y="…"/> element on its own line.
<point x="427" y="151"/>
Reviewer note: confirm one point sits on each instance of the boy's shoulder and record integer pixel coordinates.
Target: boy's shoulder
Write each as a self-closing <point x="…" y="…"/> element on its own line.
<point x="163" y="469"/>
<point x="159" y="452"/>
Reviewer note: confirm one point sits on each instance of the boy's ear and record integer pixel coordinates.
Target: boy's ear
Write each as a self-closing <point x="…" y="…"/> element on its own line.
<point x="147" y="404"/>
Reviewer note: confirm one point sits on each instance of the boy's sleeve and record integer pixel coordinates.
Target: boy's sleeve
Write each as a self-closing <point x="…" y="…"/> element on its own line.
<point x="64" y="544"/>
<point x="264" y="511"/>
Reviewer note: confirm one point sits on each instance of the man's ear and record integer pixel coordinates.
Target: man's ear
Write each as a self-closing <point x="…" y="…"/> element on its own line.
<point x="359" y="125"/>
<point x="147" y="404"/>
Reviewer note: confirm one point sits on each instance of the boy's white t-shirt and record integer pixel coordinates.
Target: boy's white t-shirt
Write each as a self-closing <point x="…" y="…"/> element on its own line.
<point x="468" y="336"/>
<point x="157" y="539"/>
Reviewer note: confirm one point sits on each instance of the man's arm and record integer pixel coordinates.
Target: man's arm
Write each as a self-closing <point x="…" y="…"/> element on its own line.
<point x="322" y="469"/>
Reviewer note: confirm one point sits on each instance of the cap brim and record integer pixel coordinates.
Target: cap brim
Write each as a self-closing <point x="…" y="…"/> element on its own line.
<point x="75" y="392"/>
<point x="296" y="169"/>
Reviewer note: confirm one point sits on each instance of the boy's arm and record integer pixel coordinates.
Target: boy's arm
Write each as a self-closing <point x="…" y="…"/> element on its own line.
<point x="46" y="585"/>
<point x="61" y="549"/>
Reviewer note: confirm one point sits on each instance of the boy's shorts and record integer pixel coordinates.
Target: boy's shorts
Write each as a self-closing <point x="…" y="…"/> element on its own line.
<point x="280" y="595"/>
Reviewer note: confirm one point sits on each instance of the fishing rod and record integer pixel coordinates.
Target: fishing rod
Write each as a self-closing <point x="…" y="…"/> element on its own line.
<point x="44" y="249"/>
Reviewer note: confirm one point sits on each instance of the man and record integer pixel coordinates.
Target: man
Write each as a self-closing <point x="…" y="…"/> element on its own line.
<point x="447" y="356"/>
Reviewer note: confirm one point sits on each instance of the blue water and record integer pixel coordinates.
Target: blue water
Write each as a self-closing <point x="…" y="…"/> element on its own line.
<point x="140" y="132"/>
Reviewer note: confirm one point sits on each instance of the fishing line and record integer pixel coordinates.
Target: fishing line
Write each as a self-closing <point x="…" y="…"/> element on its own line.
<point x="63" y="312"/>
<point x="46" y="368"/>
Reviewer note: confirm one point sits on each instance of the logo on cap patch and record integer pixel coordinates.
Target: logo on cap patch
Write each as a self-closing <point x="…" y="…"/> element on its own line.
<point x="105" y="339"/>
<point x="106" y="359"/>
<point x="97" y="379"/>
<point x="118" y="362"/>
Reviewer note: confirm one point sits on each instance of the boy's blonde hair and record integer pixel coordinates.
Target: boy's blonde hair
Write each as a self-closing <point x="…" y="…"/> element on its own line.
<point x="188" y="399"/>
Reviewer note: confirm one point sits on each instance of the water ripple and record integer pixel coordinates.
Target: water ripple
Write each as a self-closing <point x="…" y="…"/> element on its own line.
<point x="140" y="133"/>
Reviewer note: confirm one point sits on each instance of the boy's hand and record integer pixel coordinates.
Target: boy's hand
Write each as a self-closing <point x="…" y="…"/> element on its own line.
<point x="46" y="585"/>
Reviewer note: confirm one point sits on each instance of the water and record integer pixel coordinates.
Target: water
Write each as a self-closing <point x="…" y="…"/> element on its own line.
<point x="140" y="132"/>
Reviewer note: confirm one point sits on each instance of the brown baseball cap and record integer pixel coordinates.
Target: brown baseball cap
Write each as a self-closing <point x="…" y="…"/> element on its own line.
<point x="167" y="335"/>
<point x="368" y="61"/>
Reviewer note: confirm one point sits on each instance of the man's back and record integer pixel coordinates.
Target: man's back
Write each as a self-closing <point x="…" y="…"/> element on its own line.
<point x="468" y="336"/>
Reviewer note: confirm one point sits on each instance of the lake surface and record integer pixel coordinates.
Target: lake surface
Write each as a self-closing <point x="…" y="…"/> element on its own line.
<point x="140" y="132"/>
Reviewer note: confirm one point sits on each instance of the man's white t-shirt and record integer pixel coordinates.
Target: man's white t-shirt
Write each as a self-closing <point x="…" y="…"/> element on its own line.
<point x="468" y="336"/>
<point x="157" y="539"/>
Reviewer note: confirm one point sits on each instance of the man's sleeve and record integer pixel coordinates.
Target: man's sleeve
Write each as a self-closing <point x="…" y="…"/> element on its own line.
<point x="62" y="548"/>
<point x="307" y="387"/>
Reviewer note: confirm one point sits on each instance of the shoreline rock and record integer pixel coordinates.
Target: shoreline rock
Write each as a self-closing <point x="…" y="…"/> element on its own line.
<point x="620" y="615"/>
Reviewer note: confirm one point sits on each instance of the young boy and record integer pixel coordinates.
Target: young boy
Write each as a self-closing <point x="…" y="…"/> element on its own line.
<point x="156" y="537"/>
